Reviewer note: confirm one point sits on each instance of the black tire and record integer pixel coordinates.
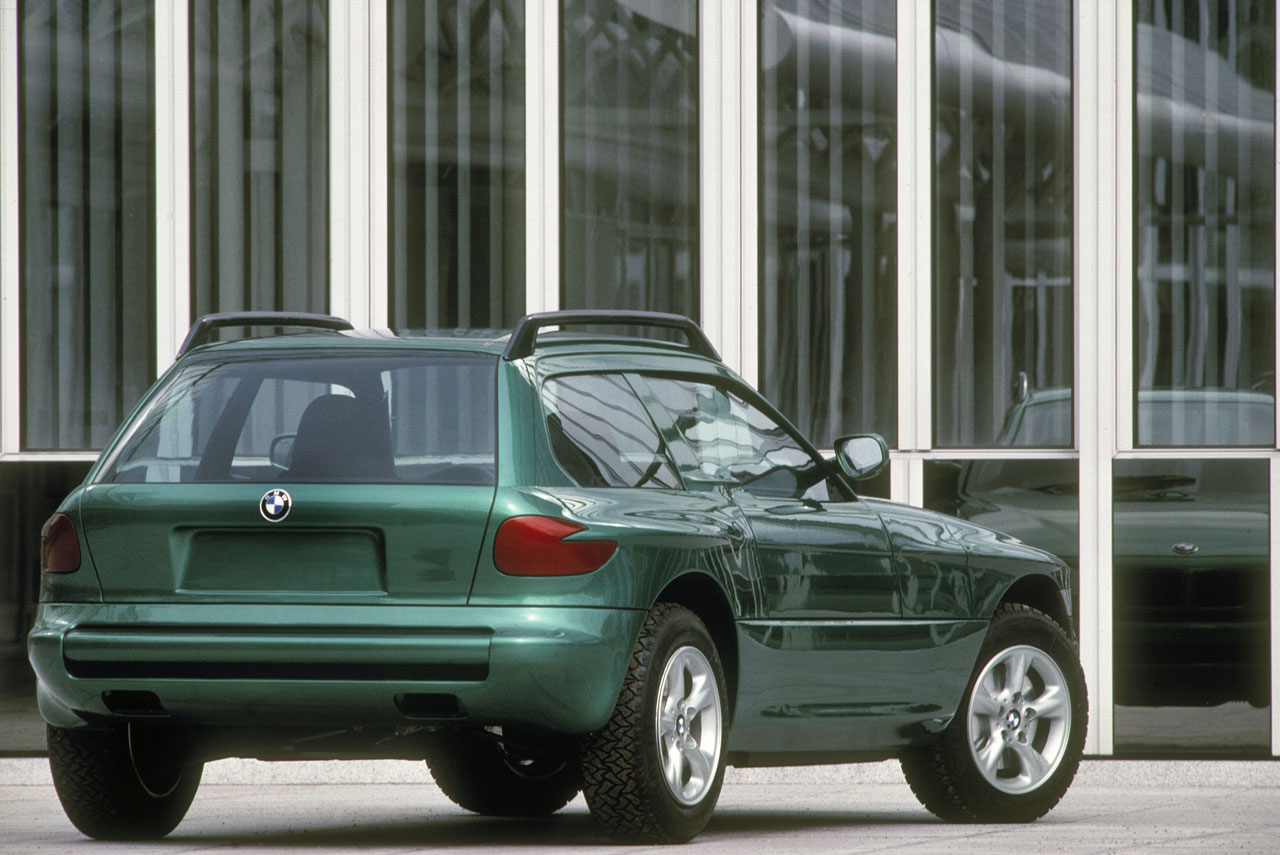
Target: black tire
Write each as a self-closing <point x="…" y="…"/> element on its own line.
<point x="946" y="776"/>
<point x="479" y="774"/>
<point x="130" y="782"/>
<point x="622" y="765"/>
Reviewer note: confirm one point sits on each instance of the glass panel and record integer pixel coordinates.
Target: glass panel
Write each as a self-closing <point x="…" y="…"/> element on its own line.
<point x="259" y="156"/>
<point x="602" y="435"/>
<point x="29" y="494"/>
<point x="630" y="182"/>
<point x="1003" y="303"/>
<point x="87" y="166"/>
<point x="1191" y="584"/>
<point x="733" y="442"/>
<point x="317" y="420"/>
<point x="1036" y="501"/>
<point x="1204" y="297"/>
<point x="457" y="163"/>
<point x="828" y="213"/>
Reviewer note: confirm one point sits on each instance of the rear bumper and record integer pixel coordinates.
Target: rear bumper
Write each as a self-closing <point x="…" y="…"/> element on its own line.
<point x="557" y="670"/>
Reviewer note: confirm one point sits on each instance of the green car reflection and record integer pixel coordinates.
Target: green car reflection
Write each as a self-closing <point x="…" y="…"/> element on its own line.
<point x="1191" y="569"/>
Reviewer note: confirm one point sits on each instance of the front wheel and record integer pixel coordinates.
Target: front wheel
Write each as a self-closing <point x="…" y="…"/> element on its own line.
<point x="1015" y="744"/>
<point x="653" y="773"/>
<point x="131" y="782"/>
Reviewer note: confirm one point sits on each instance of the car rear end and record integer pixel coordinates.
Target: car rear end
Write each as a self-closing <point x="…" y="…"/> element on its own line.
<point x="286" y="535"/>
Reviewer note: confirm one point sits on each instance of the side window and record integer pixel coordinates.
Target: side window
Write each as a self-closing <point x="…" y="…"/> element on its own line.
<point x="602" y="435"/>
<point x="734" y="442"/>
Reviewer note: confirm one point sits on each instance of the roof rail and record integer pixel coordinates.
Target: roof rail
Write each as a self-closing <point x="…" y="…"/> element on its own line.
<point x="205" y="325"/>
<point x="525" y="335"/>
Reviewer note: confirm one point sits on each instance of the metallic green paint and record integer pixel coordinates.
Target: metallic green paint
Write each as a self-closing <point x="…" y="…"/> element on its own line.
<point x="815" y="686"/>
<point x="556" y="670"/>
<point x="340" y="543"/>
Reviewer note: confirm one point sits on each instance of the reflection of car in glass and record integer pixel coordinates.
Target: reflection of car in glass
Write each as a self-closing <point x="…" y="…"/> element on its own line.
<point x="542" y="564"/>
<point x="1191" y="573"/>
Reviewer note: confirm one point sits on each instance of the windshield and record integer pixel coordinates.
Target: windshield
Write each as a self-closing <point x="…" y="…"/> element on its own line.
<point x="358" y="417"/>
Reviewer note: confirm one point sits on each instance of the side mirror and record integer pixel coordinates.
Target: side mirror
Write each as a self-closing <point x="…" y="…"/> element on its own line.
<point x="861" y="455"/>
<point x="281" y="450"/>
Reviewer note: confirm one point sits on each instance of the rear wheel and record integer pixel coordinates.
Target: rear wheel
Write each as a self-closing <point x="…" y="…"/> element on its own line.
<point x="654" y="771"/>
<point x="131" y="782"/>
<point x="1015" y="743"/>
<point x="481" y="774"/>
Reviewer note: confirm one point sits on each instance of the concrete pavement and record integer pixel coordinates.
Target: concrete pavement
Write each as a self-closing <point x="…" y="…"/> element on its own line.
<point x="390" y="806"/>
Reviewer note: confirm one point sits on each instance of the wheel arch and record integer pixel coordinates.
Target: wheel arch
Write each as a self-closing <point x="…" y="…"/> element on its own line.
<point x="703" y="596"/>
<point x="1040" y="592"/>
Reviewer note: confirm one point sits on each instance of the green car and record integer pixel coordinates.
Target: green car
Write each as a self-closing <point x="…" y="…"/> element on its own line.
<point x="544" y="564"/>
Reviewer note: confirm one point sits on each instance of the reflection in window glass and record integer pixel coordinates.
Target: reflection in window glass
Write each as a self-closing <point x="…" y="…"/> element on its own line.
<point x="602" y="435"/>
<point x="1191" y="583"/>
<point x="734" y="442"/>
<point x="29" y="494"/>
<point x="630" y="178"/>
<point x="260" y="156"/>
<point x="1036" y="501"/>
<point x="86" y="165"/>
<point x="457" y="174"/>
<point x="1003" y="304"/>
<point x="1204" y="322"/>
<point x="828" y="258"/>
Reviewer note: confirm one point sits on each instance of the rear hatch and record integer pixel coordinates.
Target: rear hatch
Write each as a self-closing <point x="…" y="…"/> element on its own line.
<point x="301" y="476"/>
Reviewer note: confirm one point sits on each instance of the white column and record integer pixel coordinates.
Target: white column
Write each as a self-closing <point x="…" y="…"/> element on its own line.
<point x="350" y="174"/>
<point x="1103" y="204"/>
<point x="379" y="116"/>
<point x="748" y="360"/>
<point x="542" y="155"/>
<point x="915" y="249"/>
<point x="906" y="480"/>
<point x="173" y="179"/>
<point x="719" y="173"/>
<point x="10" y="285"/>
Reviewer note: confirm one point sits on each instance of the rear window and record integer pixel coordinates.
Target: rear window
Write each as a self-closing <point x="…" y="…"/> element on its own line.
<point x="425" y="418"/>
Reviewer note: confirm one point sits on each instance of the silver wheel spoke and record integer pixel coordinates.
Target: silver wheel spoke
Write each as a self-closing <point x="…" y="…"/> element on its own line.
<point x="1016" y="667"/>
<point x="990" y="756"/>
<point x="702" y="696"/>
<point x="674" y="766"/>
<point x="1051" y="703"/>
<point x="1034" y="765"/>
<point x="983" y="704"/>
<point x="699" y="768"/>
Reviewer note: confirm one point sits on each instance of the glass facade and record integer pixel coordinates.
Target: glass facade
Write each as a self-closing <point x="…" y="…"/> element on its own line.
<point x="629" y="187"/>
<point x="1191" y="582"/>
<point x="1204" y="292"/>
<point x="259" y="156"/>
<point x="1003" y="321"/>
<point x="87" y="166"/>
<point x="828" y="203"/>
<point x="813" y="167"/>
<point x="457" y="163"/>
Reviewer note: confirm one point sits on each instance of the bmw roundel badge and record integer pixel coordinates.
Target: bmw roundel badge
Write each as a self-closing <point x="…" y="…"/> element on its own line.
<point x="275" y="505"/>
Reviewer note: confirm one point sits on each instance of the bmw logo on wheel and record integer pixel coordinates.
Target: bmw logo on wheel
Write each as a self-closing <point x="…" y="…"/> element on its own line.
<point x="275" y="505"/>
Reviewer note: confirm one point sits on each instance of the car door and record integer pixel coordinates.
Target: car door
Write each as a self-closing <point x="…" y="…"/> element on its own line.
<point x="821" y="652"/>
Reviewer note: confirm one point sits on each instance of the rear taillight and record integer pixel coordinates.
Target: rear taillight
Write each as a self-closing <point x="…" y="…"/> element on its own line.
<point x="59" y="546"/>
<point x="536" y="546"/>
